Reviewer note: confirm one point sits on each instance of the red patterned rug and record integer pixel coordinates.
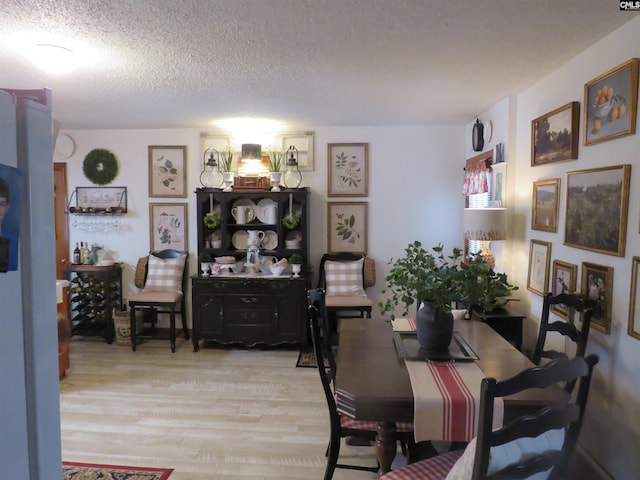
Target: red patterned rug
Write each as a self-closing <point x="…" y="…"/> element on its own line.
<point x="93" y="471"/>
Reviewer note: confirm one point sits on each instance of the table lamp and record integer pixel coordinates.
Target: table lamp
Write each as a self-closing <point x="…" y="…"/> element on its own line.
<point x="485" y="225"/>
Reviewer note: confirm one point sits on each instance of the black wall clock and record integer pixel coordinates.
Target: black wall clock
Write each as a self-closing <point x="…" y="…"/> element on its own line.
<point x="477" y="136"/>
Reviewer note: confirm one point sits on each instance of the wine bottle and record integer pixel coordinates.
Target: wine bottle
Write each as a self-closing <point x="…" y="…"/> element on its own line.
<point x="76" y="255"/>
<point x="81" y="253"/>
<point x="87" y="254"/>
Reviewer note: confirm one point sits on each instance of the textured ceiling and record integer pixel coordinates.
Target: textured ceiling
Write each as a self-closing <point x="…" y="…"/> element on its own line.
<point x="187" y="63"/>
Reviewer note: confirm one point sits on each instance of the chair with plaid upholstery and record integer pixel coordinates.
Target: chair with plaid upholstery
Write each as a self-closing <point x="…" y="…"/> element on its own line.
<point x="345" y="276"/>
<point x="535" y="446"/>
<point x="341" y="426"/>
<point x="162" y="276"/>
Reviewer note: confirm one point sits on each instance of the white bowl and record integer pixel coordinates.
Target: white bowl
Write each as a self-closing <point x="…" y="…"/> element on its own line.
<point x="602" y="110"/>
<point x="292" y="243"/>
<point x="276" y="270"/>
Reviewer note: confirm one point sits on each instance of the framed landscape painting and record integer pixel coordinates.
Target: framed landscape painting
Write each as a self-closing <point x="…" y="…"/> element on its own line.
<point x="168" y="226"/>
<point x="544" y="215"/>
<point x="610" y="103"/>
<point x="348" y="165"/>
<point x="597" y="285"/>
<point x="539" y="259"/>
<point x="596" y="209"/>
<point x="347" y="227"/>
<point x="564" y="278"/>
<point x="554" y="136"/>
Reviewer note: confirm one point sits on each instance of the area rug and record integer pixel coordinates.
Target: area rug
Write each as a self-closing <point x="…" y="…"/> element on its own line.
<point x="307" y="359"/>
<point x="93" y="471"/>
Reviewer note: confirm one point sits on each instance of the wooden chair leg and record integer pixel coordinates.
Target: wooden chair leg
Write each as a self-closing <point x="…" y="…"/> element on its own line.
<point x="184" y="322"/>
<point x="172" y="329"/>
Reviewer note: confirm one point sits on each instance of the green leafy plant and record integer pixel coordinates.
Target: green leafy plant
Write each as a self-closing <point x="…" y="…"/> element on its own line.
<point x="226" y="160"/>
<point x="275" y="160"/>
<point x="295" y="259"/>
<point x="211" y="220"/>
<point x="440" y="279"/>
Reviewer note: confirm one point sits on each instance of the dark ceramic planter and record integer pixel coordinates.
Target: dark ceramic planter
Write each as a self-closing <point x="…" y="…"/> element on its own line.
<point x="434" y="328"/>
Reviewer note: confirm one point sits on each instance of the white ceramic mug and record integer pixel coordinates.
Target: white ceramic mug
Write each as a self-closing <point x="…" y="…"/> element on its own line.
<point x="241" y="214"/>
<point x="271" y="214"/>
<point x="255" y="237"/>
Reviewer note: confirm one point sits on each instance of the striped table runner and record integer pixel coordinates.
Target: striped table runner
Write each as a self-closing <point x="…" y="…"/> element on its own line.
<point x="403" y="324"/>
<point x="447" y="400"/>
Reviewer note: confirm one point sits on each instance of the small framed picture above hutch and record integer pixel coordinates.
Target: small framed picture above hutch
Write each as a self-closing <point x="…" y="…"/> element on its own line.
<point x="347" y="227"/>
<point x="348" y="169"/>
<point x="168" y="226"/>
<point x="611" y="100"/>
<point x="167" y="171"/>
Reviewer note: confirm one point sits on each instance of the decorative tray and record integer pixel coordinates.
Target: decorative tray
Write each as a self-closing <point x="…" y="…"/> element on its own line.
<point x="408" y="347"/>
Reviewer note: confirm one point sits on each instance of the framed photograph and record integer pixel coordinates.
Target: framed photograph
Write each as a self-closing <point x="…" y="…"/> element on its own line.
<point x="539" y="259"/>
<point x="348" y="169"/>
<point x="564" y="277"/>
<point x="347" y="227"/>
<point x="596" y="209"/>
<point x="168" y="226"/>
<point x="554" y="136"/>
<point x="597" y="285"/>
<point x="610" y="104"/>
<point x="544" y="205"/>
<point x="634" y="314"/>
<point x="167" y="171"/>
<point x="303" y="141"/>
<point x="498" y="184"/>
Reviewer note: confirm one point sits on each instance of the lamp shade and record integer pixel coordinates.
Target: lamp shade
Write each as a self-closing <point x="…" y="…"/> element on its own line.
<point x="485" y="224"/>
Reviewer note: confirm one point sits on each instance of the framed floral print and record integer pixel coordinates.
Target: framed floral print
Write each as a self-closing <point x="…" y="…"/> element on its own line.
<point x="168" y="226"/>
<point x="596" y="209"/>
<point x="546" y="195"/>
<point x="564" y="277"/>
<point x="610" y="103"/>
<point x="167" y="171"/>
<point x="348" y="169"/>
<point x="597" y="286"/>
<point x="539" y="258"/>
<point x="347" y="227"/>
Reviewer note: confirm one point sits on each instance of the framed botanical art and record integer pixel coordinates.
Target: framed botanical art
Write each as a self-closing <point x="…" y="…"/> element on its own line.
<point x="554" y="135"/>
<point x="544" y="205"/>
<point x="348" y="169"/>
<point x="167" y="171"/>
<point x="539" y="259"/>
<point x="596" y="209"/>
<point x="168" y="226"/>
<point x="564" y="278"/>
<point x="597" y="286"/>
<point x="347" y="227"/>
<point x="303" y="142"/>
<point x="611" y="100"/>
<point x="498" y="184"/>
<point x="634" y="298"/>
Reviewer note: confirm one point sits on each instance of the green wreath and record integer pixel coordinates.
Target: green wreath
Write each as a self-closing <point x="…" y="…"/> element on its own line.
<point x="100" y="166"/>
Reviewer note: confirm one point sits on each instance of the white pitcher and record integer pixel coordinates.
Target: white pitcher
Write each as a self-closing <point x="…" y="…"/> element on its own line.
<point x="271" y="214"/>
<point x="255" y="237"/>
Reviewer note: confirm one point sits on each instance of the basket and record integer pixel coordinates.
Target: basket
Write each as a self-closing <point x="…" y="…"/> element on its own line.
<point x="251" y="183"/>
<point x="122" y="326"/>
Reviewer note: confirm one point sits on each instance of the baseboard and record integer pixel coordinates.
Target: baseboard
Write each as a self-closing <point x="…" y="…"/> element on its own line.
<point x="583" y="465"/>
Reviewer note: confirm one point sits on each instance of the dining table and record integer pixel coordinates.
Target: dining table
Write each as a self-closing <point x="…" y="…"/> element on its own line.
<point x="373" y="383"/>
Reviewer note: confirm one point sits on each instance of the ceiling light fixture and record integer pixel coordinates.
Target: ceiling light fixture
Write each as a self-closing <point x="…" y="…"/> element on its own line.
<point x="53" y="58"/>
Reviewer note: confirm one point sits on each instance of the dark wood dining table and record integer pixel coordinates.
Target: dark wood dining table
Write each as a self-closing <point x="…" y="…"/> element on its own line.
<point x="372" y="382"/>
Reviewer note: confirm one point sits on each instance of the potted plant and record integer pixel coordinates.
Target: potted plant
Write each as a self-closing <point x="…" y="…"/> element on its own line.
<point x="296" y="264"/>
<point x="211" y="220"/>
<point x="205" y="258"/>
<point x="275" y="162"/>
<point x="434" y="281"/>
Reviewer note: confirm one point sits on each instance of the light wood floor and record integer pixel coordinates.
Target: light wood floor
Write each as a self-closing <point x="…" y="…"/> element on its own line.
<point x="223" y="414"/>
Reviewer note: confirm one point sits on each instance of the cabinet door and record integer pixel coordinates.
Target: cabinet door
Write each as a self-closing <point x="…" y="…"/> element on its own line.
<point x="291" y="318"/>
<point x="207" y="315"/>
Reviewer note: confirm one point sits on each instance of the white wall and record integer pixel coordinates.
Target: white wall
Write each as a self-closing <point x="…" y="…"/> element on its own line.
<point x="415" y="184"/>
<point x="612" y="427"/>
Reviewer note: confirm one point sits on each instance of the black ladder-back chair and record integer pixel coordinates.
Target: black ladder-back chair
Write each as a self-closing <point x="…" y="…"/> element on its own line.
<point x="575" y="304"/>
<point x="565" y="416"/>
<point x="341" y="426"/>
<point x="161" y="302"/>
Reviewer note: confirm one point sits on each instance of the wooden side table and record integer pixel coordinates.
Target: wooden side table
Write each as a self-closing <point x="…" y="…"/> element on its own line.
<point x="505" y="322"/>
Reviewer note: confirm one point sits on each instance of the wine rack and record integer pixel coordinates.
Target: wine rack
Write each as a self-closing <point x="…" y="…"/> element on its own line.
<point x="94" y="292"/>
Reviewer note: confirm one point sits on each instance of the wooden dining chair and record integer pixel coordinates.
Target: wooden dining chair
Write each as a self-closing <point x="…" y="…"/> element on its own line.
<point x="341" y="425"/>
<point x="528" y="445"/>
<point x="163" y="279"/>
<point x="575" y="304"/>
<point x="345" y="277"/>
